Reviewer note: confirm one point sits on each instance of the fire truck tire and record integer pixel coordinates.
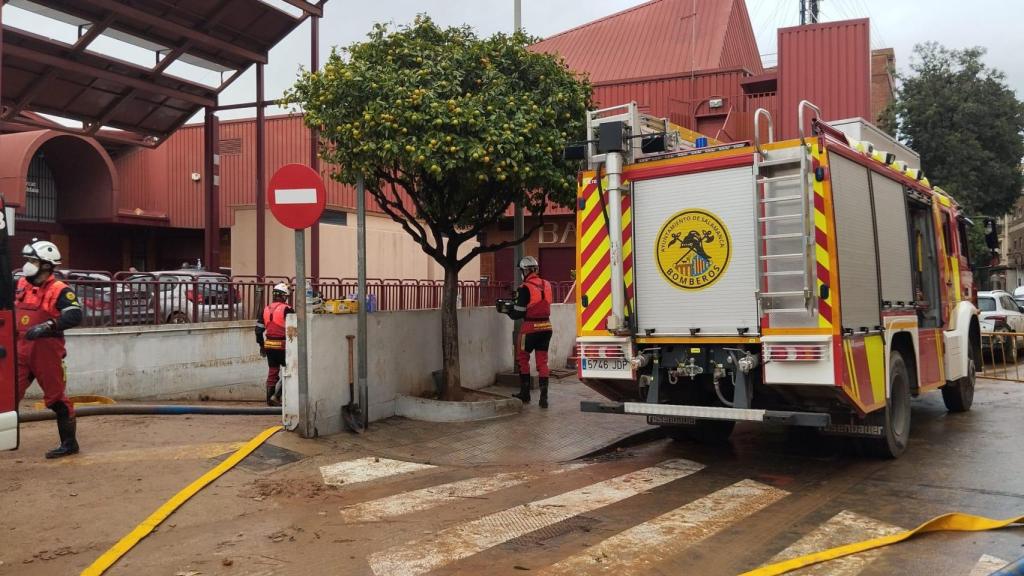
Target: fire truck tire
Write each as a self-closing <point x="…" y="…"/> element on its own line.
<point x="959" y="397"/>
<point x="895" y="418"/>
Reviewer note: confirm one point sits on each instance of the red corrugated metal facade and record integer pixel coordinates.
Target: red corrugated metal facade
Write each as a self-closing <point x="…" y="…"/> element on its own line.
<point x="828" y="64"/>
<point x="658" y="39"/>
<point x="685" y="99"/>
<point x="161" y="180"/>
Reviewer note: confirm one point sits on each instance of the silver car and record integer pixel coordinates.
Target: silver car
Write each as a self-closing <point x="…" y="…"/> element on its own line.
<point x="184" y="296"/>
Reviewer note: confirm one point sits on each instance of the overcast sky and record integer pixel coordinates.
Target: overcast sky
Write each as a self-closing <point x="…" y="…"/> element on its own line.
<point x="900" y="24"/>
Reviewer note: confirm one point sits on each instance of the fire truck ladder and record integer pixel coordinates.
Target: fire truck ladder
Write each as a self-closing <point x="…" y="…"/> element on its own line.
<point x="783" y="205"/>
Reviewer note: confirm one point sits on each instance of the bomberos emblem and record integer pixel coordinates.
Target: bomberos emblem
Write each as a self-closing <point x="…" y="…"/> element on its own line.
<point x="693" y="249"/>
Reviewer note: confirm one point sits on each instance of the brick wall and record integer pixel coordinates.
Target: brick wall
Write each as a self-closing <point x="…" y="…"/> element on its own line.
<point x="883" y="62"/>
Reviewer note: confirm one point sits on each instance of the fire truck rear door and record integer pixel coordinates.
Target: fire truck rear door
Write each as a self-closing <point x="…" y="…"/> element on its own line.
<point x="695" y="251"/>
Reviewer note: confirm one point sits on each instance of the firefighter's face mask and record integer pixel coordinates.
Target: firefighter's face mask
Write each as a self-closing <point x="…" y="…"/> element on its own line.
<point x="31" y="268"/>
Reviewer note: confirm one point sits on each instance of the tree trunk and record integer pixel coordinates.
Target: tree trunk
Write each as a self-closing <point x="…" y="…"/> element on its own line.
<point x="450" y="334"/>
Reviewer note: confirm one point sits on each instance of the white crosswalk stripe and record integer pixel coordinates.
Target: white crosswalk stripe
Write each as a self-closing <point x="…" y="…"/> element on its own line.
<point x="987" y="565"/>
<point x="843" y="528"/>
<point x="427" y="498"/>
<point x="365" y="469"/>
<point x="433" y="496"/>
<point x="635" y="550"/>
<point x="470" y="538"/>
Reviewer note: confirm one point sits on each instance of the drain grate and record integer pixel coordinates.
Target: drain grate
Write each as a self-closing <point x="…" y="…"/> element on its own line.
<point x="265" y="458"/>
<point x="541" y="537"/>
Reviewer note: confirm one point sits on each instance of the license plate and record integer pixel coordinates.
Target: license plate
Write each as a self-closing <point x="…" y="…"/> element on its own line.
<point x="618" y="368"/>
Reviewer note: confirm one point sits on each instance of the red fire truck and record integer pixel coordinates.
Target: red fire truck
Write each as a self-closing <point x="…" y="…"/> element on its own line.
<point x="814" y="282"/>
<point x="8" y="357"/>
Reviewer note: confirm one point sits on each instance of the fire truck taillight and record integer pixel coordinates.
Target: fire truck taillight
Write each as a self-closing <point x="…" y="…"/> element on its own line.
<point x="796" y="352"/>
<point x="613" y="351"/>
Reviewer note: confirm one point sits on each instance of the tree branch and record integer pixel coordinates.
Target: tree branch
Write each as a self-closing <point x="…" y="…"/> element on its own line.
<point x="482" y="249"/>
<point x="407" y="221"/>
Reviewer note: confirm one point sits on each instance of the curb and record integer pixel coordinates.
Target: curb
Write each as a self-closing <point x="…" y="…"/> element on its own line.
<point x="429" y="410"/>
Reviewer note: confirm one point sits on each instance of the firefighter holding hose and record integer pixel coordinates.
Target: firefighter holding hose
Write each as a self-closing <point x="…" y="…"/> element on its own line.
<point x="270" y="335"/>
<point x="44" y="308"/>
<point x="533" y="305"/>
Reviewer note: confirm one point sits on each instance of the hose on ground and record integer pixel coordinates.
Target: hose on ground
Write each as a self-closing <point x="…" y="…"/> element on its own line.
<point x="154" y="409"/>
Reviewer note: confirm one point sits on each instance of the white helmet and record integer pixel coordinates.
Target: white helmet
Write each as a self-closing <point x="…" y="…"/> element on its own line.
<point x="528" y="262"/>
<point x="42" y="250"/>
<point x="281" y="288"/>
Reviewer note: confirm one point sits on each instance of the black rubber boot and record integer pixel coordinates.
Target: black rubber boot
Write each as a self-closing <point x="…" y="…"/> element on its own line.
<point x="272" y="398"/>
<point x="543" y="392"/>
<point x="66" y="429"/>
<point x="524" y="388"/>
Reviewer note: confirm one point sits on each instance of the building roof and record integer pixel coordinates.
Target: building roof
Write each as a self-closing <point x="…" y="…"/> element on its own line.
<point x="77" y="82"/>
<point x="657" y="39"/>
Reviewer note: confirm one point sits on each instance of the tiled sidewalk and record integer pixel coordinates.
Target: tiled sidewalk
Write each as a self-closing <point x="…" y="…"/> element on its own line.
<point x="558" y="434"/>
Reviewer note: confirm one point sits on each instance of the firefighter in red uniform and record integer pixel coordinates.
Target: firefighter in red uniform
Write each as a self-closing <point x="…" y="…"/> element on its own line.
<point x="44" y="308"/>
<point x="270" y="335"/>
<point x="533" y="305"/>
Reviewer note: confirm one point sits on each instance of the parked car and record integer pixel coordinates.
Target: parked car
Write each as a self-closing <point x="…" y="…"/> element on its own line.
<point x="184" y="296"/>
<point x="1018" y="296"/>
<point x="105" y="303"/>
<point x="1001" y="316"/>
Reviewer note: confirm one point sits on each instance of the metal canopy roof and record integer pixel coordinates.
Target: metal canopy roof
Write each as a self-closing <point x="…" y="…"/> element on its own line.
<point x="69" y="80"/>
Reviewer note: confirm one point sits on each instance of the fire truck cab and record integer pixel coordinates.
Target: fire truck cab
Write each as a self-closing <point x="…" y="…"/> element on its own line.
<point x="813" y="282"/>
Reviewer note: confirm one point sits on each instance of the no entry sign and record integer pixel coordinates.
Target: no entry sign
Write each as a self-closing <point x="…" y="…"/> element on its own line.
<point x="296" y="196"/>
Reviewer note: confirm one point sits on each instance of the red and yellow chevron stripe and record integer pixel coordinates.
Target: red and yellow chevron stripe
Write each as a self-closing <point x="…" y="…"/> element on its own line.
<point x="822" y="207"/>
<point x="593" y="264"/>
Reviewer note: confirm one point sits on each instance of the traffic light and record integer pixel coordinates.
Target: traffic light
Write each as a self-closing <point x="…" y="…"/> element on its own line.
<point x="991" y="234"/>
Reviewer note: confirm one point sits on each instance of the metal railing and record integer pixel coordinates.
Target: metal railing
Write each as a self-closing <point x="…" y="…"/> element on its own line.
<point x="138" y="299"/>
<point x="1002" y="352"/>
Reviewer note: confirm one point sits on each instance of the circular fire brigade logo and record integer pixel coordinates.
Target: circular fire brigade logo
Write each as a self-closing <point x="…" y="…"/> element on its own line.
<point x="25" y="320"/>
<point x="693" y="249"/>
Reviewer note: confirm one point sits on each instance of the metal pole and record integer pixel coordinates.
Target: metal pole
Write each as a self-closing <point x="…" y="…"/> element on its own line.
<point x="364" y="391"/>
<point x="314" y="148"/>
<point x="211" y="189"/>
<point x="305" y="426"/>
<point x="613" y="164"/>
<point x="518" y="224"/>
<point x="261" y="185"/>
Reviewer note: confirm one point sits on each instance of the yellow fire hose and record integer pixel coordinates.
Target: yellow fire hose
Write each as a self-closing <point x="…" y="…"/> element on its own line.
<point x="104" y="562"/>
<point x="955" y="522"/>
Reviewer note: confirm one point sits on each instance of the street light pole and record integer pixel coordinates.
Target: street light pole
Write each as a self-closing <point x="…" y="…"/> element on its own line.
<point x="518" y="226"/>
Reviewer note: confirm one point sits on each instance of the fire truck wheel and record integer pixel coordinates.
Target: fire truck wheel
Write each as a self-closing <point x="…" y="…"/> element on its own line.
<point x="895" y="419"/>
<point x="959" y="397"/>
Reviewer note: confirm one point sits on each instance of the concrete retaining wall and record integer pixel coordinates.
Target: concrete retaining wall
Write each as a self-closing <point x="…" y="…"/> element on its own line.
<point x="405" y="348"/>
<point x="216" y="360"/>
<point x="220" y="361"/>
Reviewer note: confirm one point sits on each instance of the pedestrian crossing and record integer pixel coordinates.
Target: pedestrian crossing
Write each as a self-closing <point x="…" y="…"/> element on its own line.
<point x="843" y="528"/>
<point x="646" y="547"/>
<point x="987" y="565"/>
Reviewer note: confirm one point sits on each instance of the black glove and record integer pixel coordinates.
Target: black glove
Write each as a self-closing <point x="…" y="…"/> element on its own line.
<point x="43" y="330"/>
<point x="263" y="352"/>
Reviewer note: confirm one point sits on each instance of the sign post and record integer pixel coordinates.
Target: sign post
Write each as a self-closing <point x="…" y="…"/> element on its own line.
<point x="297" y="198"/>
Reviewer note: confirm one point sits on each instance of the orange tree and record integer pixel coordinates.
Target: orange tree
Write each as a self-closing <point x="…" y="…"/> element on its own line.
<point x="449" y="130"/>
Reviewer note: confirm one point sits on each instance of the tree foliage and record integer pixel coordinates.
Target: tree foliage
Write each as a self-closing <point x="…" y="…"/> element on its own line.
<point x="449" y="131"/>
<point x="465" y="127"/>
<point x="967" y="125"/>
